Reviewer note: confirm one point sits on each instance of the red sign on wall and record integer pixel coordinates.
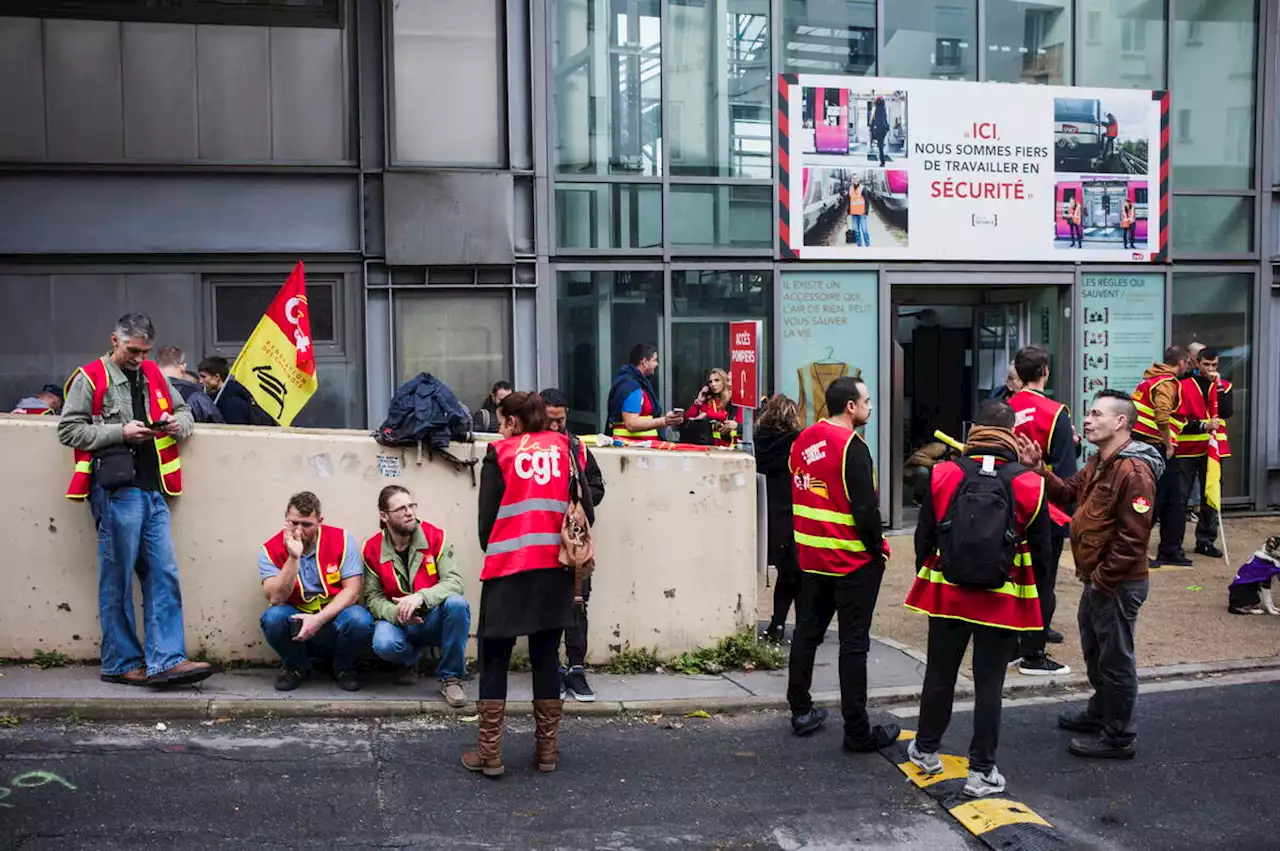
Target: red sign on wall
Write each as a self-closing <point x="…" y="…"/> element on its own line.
<point x="744" y="362"/>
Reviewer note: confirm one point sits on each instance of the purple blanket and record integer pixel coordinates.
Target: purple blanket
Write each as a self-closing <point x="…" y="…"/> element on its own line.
<point x="1258" y="569"/>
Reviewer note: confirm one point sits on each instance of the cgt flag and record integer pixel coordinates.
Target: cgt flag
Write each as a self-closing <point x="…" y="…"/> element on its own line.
<point x="277" y="364"/>
<point x="1213" y="475"/>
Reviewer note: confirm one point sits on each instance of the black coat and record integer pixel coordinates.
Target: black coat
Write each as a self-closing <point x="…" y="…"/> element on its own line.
<point x="773" y="455"/>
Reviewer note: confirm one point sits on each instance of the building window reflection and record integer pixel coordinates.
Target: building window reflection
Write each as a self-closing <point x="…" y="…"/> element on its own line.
<point x="1122" y="45"/>
<point x="931" y="40"/>
<point x="829" y="37"/>
<point x="1029" y="42"/>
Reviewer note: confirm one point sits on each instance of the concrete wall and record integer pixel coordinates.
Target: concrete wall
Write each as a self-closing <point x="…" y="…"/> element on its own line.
<point x="675" y="536"/>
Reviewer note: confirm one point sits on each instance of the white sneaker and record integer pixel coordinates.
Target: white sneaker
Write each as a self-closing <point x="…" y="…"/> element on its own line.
<point x="981" y="785"/>
<point x="926" y="762"/>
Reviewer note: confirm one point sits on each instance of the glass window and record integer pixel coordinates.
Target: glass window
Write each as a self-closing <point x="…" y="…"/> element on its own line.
<point x="1214" y="48"/>
<point x="238" y="307"/>
<point x="601" y="315"/>
<point x="462" y="338"/>
<point x="829" y="36"/>
<point x="703" y="304"/>
<point x="931" y="40"/>
<point x="607" y="86"/>
<point x="1121" y="44"/>
<point x="722" y="216"/>
<point x="1029" y="42"/>
<point x="1212" y="224"/>
<point x="719" y="111"/>
<point x="447" y="122"/>
<point x="608" y="215"/>
<point x="1217" y="310"/>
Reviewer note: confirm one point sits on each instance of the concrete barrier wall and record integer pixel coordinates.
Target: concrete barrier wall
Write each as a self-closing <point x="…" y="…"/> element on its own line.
<point x="675" y="535"/>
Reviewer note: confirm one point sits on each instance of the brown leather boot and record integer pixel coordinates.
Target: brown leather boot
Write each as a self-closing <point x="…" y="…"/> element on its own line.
<point x="487" y="757"/>
<point x="546" y="719"/>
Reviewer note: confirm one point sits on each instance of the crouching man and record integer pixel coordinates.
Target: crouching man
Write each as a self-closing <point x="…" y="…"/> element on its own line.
<point x="311" y="575"/>
<point x="414" y="591"/>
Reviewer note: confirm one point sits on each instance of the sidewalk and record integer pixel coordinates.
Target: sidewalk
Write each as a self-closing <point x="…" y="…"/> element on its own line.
<point x="28" y="692"/>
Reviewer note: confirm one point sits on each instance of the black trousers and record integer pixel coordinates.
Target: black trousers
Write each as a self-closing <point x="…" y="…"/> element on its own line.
<point x="786" y="586"/>
<point x="544" y="656"/>
<point x="1077" y="233"/>
<point x="1130" y="235"/>
<point x="852" y="600"/>
<point x="1207" y="524"/>
<point x="575" y="637"/>
<point x="1107" y="624"/>
<point x="1172" y="491"/>
<point x="992" y="650"/>
<point x="1033" y="643"/>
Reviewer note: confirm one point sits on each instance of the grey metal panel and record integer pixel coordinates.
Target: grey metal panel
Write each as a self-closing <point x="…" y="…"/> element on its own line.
<point x="308" y="94"/>
<point x="85" y="307"/>
<point x="525" y="330"/>
<point x="172" y="301"/>
<point x="233" y="75"/>
<point x="375" y="242"/>
<point x="523" y="215"/>
<point x="519" y="88"/>
<point x="83" y="90"/>
<point x="118" y="214"/>
<point x="444" y="218"/>
<point x="370" y="83"/>
<point x="377" y="353"/>
<point x="160" y="92"/>
<point x="24" y="347"/>
<point x="21" y="90"/>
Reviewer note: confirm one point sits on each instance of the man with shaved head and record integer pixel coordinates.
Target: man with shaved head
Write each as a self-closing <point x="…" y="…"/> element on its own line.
<point x="1115" y="493"/>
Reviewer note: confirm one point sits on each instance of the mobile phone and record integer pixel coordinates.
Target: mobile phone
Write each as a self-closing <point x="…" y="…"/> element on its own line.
<point x="678" y="411"/>
<point x="295" y="627"/>
<point x="155" y="426"/>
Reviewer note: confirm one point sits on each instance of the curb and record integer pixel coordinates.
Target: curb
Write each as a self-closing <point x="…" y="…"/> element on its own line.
<point x="116" y="709"/>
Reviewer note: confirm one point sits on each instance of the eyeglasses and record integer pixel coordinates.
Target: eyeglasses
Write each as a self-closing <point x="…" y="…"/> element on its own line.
<point x="408" y="508"/>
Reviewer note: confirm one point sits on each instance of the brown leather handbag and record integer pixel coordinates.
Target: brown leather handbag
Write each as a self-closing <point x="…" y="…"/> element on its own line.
<point x="577" y="549"/>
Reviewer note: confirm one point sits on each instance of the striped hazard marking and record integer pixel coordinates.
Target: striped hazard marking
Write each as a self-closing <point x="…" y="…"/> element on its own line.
<point x="1000" y="823"/>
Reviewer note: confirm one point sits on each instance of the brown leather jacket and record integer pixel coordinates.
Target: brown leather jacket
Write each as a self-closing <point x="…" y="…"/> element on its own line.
<point x="1112" y="525"/>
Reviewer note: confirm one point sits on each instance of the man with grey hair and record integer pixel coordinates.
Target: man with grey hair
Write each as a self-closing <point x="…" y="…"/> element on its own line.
<point x="124" y="420"/>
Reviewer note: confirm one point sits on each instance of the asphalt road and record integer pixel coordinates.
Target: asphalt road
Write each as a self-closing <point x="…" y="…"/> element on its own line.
<point x="1205" y="778"/>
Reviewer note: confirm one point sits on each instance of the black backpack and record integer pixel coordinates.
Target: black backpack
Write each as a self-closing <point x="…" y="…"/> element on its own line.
<point x="425" y="413"/>
<point x="977" y="538"/>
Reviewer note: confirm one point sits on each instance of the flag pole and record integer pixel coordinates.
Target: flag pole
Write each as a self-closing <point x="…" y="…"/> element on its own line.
<point x="1222" y="533"/>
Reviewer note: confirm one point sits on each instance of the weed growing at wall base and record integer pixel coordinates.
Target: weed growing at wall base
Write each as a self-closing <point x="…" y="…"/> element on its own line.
<point x="741" y="651"/>
<point x="46" y="659"/>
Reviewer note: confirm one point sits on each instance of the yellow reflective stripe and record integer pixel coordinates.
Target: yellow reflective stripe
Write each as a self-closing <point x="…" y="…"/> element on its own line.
<point x="170" y="466"/>
<point x="1144" y="409"/>
<point x="1183" y="438"/>
<point x="619" y="431"/>
<point x="1024" y="592"/>
<point x="165" y="442"/>
<point x="823" y="515"/>
<point x="822" y="543"/>
<point x="84" y="466"/>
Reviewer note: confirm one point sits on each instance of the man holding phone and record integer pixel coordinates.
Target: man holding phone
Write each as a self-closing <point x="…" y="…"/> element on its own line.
<point x="311" y="576"/>
<point x="124" y="421"/>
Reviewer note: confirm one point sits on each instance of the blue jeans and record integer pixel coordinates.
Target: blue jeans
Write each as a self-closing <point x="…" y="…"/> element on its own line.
<point x="861" y="236"/>
<point x="345" y="638"/>
<point x="446" y="626"/>
<point x="133" y="535"/>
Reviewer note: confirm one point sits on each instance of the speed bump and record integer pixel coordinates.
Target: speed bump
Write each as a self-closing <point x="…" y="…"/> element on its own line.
<point x="998" y="822"/>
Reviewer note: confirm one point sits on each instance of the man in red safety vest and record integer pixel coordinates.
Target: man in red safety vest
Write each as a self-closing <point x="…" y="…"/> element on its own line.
<point x="1048" y="424"/>
<point x="1158" y="400"/>
<point x="1207" y="404"/>
<point x="841" y="551"/>
<point x="993" y="617"/>
<point x="46" y="403"/>
<point x="124" y="421"/>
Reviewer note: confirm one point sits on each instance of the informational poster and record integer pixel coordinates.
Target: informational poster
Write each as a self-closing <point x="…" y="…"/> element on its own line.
<point x="829" y="326"/>
<point x="886" y="168"/>
<point x="1121" y="332"/>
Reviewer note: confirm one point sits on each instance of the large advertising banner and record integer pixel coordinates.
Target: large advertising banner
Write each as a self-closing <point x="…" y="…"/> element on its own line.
<point x="829" y="323"/>
<point x="877" y="168"/>
<point x="1121" y="332"/>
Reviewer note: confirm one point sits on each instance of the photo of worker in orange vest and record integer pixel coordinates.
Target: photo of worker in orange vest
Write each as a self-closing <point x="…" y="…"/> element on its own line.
<point x="973" y="582"/>
<point x="1073" y="221"/>
<point x="858" y="213"/>
<point x="1129" y="224"/>
<point x="1111" y="134"/>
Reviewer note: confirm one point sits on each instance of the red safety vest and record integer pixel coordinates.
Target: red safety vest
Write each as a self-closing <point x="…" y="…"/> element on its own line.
<point x="826" y="535"/>
<point x="34" y="412"/>
<point x="331" y="552"/>
<point x="1037" y="416"/>
<point x="427" y="575"/>
<point x="526" y="536"/>
<point x="1016" y="605"/>
<point x="159" y="402"/>
<point x="1146" y="424"/>
<point x="1195" y="406"/>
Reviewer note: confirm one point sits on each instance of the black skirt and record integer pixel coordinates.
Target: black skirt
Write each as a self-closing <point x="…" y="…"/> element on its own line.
<point x="526" y="603"/>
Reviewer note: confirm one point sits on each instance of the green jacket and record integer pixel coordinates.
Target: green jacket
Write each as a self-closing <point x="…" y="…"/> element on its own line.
<point x="77" y="428"/>
<point x="449" y="579"/>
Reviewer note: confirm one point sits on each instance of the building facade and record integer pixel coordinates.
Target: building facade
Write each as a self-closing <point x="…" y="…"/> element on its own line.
<point x="523" y="189"/>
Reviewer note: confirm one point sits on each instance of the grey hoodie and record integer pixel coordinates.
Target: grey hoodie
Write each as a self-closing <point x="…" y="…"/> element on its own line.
<point x="1145" y="453"/>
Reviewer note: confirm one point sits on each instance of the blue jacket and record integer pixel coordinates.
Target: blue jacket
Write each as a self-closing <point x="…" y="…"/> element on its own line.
<point x="627" y="381"/>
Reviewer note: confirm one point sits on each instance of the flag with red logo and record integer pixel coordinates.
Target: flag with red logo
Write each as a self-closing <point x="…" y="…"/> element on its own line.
<point x="277" y="364"/>
<point x="1213" y="475"/>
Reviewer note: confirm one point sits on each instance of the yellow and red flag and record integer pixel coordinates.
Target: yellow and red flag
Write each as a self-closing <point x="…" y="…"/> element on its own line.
<point x="1213" y="475"/>
<point x="277" y="363"/>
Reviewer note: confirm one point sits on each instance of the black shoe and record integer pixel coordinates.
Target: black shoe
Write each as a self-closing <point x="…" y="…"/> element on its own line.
<point x="1079" y="721"/>
<point x="290" y="679"/>
<point x="1208" y="550"/>
<point x="802" y="724"/>
<point x="1100" y="748"/>
<point x="347" y="679"/>
<point x="775" y="634"/>
<point x="575" y="684"/>
<point x="1179" y="560"/>
<point x="1053" y="636"/>
<point x="1042" y="666"/>
<point x="882" y="735"/>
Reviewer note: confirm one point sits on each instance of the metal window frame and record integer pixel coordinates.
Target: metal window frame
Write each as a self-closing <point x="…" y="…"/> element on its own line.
<point x="212" y="282"/>
<point x="264" y="14"/>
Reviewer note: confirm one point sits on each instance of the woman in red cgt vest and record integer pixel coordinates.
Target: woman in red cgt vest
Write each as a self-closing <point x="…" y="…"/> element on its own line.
<point x="524" y="493"/>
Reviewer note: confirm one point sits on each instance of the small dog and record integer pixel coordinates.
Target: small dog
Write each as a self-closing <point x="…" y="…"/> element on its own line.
<point x="1250" y="593"/>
